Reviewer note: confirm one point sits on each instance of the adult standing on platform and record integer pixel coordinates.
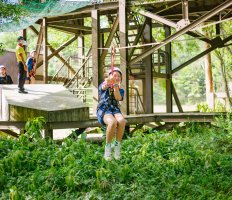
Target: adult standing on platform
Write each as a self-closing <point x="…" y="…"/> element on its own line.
<point x="22" y="67"/>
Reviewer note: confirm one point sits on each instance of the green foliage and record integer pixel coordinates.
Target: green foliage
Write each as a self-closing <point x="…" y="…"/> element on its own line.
<point x="225" y="124"/>
<point x="11" y="11"/>
<point x="204" y="107"/>
<point x="1" y="48"/>
<point x="34" y="127"/>
<point x="190" y="84"/>
<point x="190" y="162"/>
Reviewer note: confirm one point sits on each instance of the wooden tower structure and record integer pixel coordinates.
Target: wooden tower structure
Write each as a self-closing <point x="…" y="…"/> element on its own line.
<point x="131" y="29"/>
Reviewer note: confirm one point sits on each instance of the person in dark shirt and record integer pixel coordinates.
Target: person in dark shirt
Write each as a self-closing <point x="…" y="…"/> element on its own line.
<point x="4" y="78"/>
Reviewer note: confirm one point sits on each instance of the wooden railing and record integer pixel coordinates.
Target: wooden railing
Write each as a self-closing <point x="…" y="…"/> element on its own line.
<point x="136" y="103"/>
<point x="58" y="77"/>
<point x="83" y="71"/>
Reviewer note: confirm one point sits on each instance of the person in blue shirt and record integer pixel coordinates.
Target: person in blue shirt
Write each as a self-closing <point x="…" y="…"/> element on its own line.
<point x="31" y="63"/>
<point x="109" y="114"/>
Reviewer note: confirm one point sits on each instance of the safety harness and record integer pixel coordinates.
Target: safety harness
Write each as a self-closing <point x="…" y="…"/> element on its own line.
<point x="110" y="100"/>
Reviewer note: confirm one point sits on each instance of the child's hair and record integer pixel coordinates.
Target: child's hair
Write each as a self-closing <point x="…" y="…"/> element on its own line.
<point x="116" y="69"/>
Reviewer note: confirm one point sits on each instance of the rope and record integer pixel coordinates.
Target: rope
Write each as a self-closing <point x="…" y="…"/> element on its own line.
<point x="113" y="52"/>
<point x="133" y="46"/>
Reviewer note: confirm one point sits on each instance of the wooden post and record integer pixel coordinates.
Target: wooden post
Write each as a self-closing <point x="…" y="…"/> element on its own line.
<point x="101" y="45"/>
<point x="168" y="71"/>
<point x="209" y="77"/>
<point x="45" y="51"/>
<point x="148" y="82"/>
<point x="48" y="132"/>
<point x="80" y="50"/>
<point x="24" y="34"/>
<point x="81" y="45"/>
<point x="39" y="41"/>
<point x="124" y="54"/>
<point x="97" y="70"/>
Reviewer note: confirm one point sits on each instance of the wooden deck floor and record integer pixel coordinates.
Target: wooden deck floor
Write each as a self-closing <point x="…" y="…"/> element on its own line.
<point x="136" y="119"/>
<point x="54" y="102"/>
<point x="62" y="110"/>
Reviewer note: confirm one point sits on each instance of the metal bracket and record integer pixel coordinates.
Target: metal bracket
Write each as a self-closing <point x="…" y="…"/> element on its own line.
<point x="182" y="23"/>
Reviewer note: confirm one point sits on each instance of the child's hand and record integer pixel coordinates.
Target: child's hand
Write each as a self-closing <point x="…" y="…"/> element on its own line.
<point x="108" y="81"/>
<point x="112" y="79"/>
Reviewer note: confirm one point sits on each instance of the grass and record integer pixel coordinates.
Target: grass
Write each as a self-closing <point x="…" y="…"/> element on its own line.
<point x="190" y="162"/>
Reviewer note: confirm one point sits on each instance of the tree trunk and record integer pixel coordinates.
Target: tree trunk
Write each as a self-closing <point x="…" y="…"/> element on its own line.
<point x="225" y="87"/>
<point x="224" y="36"/>
<point x="209" y="79"/>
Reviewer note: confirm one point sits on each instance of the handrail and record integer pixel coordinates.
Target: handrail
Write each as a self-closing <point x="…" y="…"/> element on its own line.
<point x="82" y="67"/>
<point x="138" y="100"/>
<point x="52" y="79"/>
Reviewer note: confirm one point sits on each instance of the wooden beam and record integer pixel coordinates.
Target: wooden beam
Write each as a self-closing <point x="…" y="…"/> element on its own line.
<point x="45" y="50"/>
<point x="71" y="26"/>
<point x="63" y="60"/>
<point x="64" y="30"/>
<point x="81" y="48"/>
<point x="97" y="69"/>
<point x="185" y="9"/>
<point x="102" y="8"/>
<point x="63" y="46"/>
<point x="200" y="55"/>
<point x="184" y="30"/>
<point x="124" y="53"/>
<point x="168" y="51"/>
<point x="160" y="75"/>
<point x="110" y="38"/>
<point x="138" y="36"/>
<point x="38" y="47"/>
<point x="138" y="119"/>
<point x="56" y="53"/>
<point x="148" y="82"/>
<point x="157" y="18"/>
<point x="39" y="41"/>
<point x="9" y="132"/>
<point x="176" y="98"/>
<point x="103" y="30"/>
<point x="199" y="36"/>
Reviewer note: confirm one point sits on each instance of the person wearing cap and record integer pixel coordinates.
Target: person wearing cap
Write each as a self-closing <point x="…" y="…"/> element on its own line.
<point x="22" y="67"/>
<point x="109" y="114"/>
<point x="31" y="62"/>
<point x="4" y="78"/>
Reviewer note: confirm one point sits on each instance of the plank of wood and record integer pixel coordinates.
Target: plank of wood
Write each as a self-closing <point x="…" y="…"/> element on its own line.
<point x="138" y="119"/>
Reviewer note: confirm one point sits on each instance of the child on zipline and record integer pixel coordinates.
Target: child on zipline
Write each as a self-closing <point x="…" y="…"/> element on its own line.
<point x="108" y="111"/>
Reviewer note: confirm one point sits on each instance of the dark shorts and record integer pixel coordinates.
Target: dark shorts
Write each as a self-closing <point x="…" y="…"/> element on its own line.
<point x="101" y="113"/>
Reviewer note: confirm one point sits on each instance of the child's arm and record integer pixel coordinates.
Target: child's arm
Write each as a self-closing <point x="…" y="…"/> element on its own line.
<point x="106" y="84"/>
<point x="117" y="94"/>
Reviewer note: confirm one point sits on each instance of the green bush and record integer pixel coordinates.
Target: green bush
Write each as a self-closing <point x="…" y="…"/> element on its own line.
<point x="189" y="162"/>
<point x="204" y="107"/>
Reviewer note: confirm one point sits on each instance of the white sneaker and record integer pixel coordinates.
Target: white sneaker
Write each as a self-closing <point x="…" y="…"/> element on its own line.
<point x="117" y="154"/>
<point x="107" y="154"/>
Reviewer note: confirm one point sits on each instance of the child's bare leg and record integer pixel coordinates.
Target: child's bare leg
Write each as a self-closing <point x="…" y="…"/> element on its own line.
<point x="111" y="123"/>
<point x="121" y="122"/>
<point x="32" y="80"/>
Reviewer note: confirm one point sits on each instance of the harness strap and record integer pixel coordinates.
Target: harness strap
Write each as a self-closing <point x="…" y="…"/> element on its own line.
<point x="113" y="51"/>
<point x="106" y="102"/>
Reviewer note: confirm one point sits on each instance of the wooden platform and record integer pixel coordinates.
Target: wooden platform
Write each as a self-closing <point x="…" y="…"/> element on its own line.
<point x="138" y="119"/>
<point x="54" y="102"/>
<point x="62" y="110"/>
